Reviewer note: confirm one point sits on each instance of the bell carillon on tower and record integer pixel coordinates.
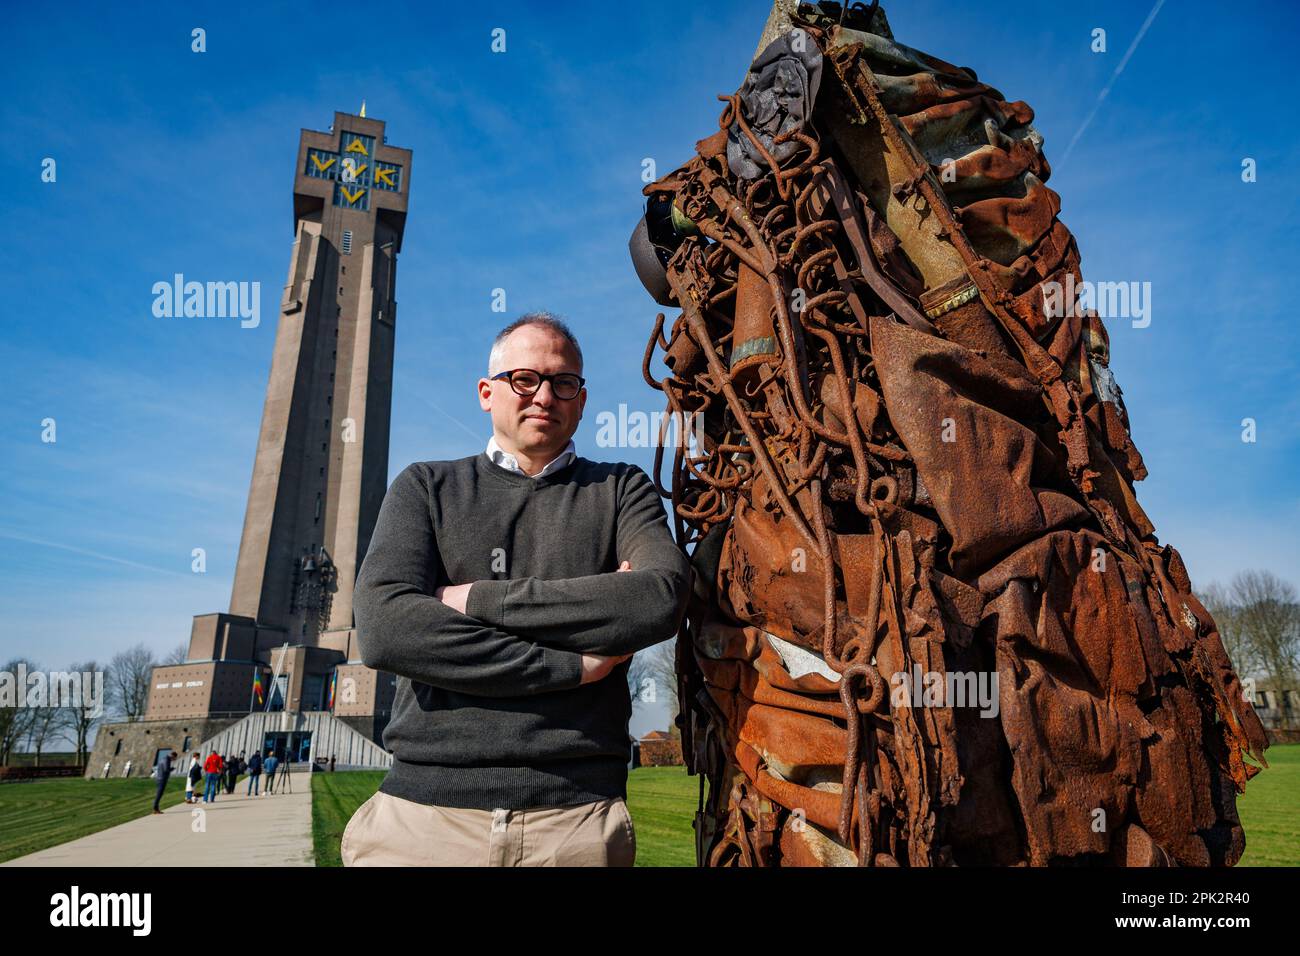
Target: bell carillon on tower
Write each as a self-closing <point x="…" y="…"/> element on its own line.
<point x="321" y="465"/>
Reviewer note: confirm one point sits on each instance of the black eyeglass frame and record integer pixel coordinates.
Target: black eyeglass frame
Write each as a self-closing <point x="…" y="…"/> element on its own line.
<point x="509" y="377"/>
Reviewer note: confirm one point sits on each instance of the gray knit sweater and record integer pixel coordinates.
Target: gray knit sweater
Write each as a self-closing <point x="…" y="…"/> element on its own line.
<point x="489" y="711"/>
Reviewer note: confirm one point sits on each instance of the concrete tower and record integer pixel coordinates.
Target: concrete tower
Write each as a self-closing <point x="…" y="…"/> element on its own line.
<point x="321" y="467"/>
<point x="322" y="456"/>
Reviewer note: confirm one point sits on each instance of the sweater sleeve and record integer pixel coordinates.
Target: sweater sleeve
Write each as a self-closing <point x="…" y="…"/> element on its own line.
<point x="618" y="612"/>
<point x="403" y="629"/>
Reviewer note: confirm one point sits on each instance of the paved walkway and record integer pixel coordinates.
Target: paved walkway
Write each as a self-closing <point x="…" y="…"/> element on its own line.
<point x="237" y="830"/>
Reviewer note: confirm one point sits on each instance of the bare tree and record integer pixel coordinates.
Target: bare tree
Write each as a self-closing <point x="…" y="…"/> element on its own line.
<point x="85" y="714"/>
<point x="46" y="726"/>
<point x="1220" y="602"/>
<point x="637" y="674"/>
<point x="1268" y="614"/>
<point x="654" y="672"/>
<point x="128" y="681"/>
<point x="178" y="654"/>
<point x="1259" y="621"/>
<point x="15" y="717"/>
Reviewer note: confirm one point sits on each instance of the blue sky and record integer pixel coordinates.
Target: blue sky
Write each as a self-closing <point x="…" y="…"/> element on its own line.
<point x="527" y="176"/>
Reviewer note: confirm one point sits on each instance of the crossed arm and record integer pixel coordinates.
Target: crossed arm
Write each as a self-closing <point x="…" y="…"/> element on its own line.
<point x="512" y="638"/>
<point x="457" y="595"/>
<point x="618" y="612"/>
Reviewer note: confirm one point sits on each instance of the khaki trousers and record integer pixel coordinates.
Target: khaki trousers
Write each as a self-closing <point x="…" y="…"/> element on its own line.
<point x="391" y="831"/>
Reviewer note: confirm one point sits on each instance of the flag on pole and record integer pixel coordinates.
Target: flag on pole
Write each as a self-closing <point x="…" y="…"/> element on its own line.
<point x="257" y="686"/>
<point x="334" y="680"/>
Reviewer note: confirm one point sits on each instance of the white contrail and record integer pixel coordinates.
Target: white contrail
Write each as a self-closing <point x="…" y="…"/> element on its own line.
<point x="434" y="405"/>
<point x="13" y="536"/>
<point x="1111" y="82"/>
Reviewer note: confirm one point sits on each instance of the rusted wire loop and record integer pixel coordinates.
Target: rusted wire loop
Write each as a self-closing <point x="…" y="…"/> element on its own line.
<point x="738" y="115"/>
<point x="847" y="691"/>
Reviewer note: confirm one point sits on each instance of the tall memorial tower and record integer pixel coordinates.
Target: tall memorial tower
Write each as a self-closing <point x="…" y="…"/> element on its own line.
<point x="321" y="467"/>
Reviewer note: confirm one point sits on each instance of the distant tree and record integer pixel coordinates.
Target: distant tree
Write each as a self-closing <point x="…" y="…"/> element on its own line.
<point x="128" y="681"/>
<point x="1259" y="620"/>
<point x="637" y="672"/>
<point x="1268" y="613"/>
<point x="654" y="670"/>
<point x="15" y="720"/>
<point x="46" y="726"/>
<point x="81" y="718"/>
<point x="1236" y="641"/>
<point x="178" y="654"/>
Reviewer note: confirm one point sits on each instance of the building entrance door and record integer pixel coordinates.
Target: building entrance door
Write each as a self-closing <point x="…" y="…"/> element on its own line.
<point x="295" y="745"/>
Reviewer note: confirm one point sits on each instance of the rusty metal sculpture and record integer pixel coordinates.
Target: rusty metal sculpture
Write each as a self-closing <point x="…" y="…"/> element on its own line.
<point x="915" y="471"/>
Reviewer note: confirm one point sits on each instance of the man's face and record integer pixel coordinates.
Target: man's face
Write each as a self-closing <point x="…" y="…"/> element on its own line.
<point x="538" y="425"/>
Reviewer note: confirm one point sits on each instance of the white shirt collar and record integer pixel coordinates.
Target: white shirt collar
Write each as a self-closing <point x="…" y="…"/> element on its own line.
<point x="510" y="463"/>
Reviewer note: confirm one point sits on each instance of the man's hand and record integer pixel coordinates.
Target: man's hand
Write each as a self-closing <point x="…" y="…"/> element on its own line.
<point x="597" y="666"/>
<point x="594" y="666"/>
<point x="454" y="595"/>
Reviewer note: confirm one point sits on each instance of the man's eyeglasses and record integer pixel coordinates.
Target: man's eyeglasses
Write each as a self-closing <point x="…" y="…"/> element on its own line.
<point x="526" y="382"/>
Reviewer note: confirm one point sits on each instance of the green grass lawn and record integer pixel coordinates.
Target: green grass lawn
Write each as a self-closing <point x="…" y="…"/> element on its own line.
<point x="662" y="800"/>
<point x="1270" y="810"/>
<point x="334" y="798"/>
<point x="45" y="813"/>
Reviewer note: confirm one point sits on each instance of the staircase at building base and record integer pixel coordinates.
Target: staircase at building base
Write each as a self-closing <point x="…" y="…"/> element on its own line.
<point x="330" y="737"/>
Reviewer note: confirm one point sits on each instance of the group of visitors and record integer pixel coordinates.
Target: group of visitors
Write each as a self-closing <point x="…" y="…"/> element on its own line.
<point x="222" y="771"/>
<point x="219" y="771"/>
